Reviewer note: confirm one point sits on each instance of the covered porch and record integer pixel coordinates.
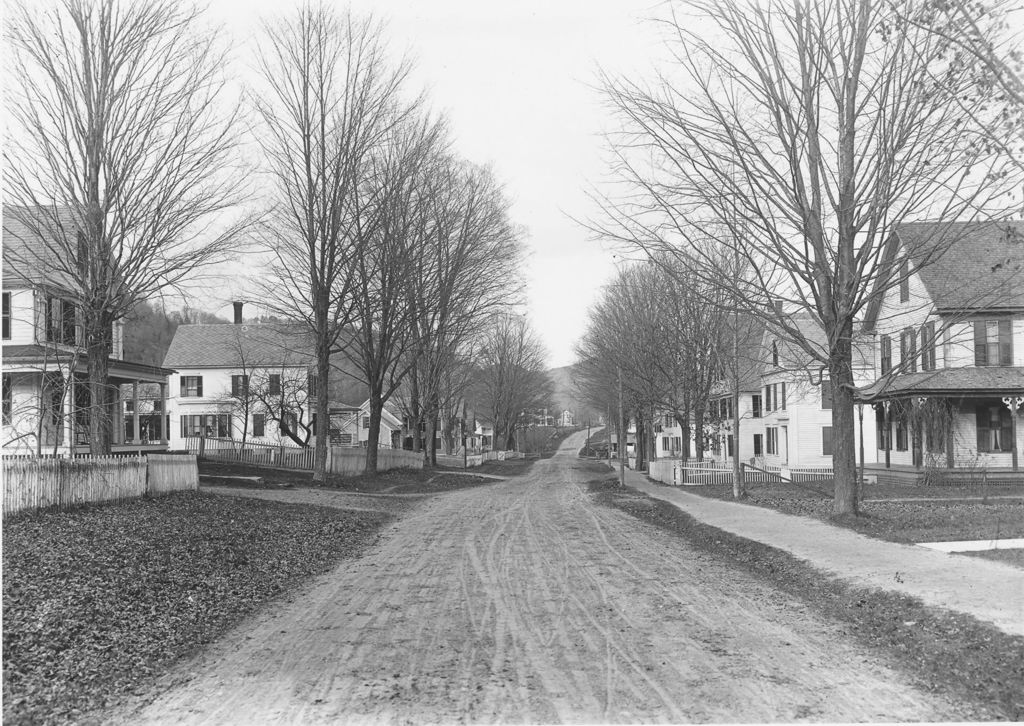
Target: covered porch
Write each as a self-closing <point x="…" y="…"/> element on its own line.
<point x="953" y="426"/>
<point x="51" y="405"/>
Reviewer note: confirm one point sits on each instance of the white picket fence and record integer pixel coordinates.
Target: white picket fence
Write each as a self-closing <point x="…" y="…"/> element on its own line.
<point x="455" y="460"/>
<point x="720" y="473"/>
<point x="42" y="483"/>
<point x="341" y="460"/>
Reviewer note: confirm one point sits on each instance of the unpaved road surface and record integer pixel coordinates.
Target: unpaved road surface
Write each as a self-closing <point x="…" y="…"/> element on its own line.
<point x="522" y="601"/>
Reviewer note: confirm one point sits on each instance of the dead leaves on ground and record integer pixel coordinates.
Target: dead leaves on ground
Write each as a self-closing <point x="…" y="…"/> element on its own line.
<point x="98" y="601"/>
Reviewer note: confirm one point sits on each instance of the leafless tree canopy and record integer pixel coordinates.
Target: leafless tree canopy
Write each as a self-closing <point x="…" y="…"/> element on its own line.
<point x="118" y="158"/>
<point x="330" y="102"/>
<point x="512" y="375"/>
<point x="797" y="136"/>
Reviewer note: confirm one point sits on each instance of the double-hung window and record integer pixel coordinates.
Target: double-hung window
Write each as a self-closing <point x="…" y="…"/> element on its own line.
<point x="993" y="343"/>
<point x="886" y="354"/>
<point x="7" y="316"/>
<point x="240" y="386"/>
<point x="908" y="351"/>
<point x="928" y="347"/>
<point x="995" y="429"/>
<point x="191" y="387"/>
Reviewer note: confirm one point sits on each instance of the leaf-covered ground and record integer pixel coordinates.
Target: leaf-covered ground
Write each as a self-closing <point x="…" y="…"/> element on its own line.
<point x="100" y="600"/>
<point x="392" y="481"/>
<point x="962" y="515"/>
<point x="944" y="652"/>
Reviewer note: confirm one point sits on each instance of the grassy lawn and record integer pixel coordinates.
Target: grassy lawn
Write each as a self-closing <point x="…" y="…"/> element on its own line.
<point x="941" y="651"/>
<point x="393" y="481"/>
<point x="99" y="601"/>
<point x="953" y="518"/>
<point x="1013" y="557"/>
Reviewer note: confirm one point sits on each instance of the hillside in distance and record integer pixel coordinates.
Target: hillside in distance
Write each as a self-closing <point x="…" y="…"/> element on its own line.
<point x="565" y="396"/>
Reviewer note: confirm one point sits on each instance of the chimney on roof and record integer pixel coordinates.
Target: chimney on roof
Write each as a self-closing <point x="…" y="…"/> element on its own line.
<point x="238" y="312"/>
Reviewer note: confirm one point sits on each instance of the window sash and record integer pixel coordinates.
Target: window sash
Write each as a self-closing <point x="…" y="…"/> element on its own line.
<point x="191" y="387"/>
<point x="755" y="406"/>
<point x="7" y="316"/>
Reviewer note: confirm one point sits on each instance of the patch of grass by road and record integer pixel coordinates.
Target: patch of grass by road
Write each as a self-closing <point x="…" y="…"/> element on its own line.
<point x="1013" y="557"/>
<point x="954" y="518"/>
<point x="392" y="481"/>
<point x="943" y="652"/>
<point x="99" y="601"/>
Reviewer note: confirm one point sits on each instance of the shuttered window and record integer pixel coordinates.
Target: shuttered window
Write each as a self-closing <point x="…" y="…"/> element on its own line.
<point x="928" y="347"/>
<point x="908" y="351"/>
<point x="886" y="362"/>
<point x="191" y="387"/>
<point x="259" y="424"/>
<point x="826" y="441"/>
<point x="993" y="343"/>
<point x="995" y="429"/>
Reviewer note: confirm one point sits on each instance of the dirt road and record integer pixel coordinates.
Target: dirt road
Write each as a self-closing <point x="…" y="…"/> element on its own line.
<point x="522" y="601"/>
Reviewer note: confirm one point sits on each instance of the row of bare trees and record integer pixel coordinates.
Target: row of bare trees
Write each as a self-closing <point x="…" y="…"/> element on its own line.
<point x="392" y="252"/>
<point x="794" y="137"/>
<point x="381" y="244"/>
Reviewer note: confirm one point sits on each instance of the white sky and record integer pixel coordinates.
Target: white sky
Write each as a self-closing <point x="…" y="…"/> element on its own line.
<point x="515" y="79"/>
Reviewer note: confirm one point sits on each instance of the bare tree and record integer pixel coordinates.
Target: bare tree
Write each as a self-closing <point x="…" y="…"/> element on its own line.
<point x="465" y="271"/>
<point x="511" y="375"/>
<point x="391" y="225"/>
<point x="329" y="99"/>
<point x="798" y="137"/>
<point x="118" y="160"/>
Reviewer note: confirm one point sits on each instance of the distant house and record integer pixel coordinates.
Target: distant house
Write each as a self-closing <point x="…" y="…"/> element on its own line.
<point x="390" y="427"/>
<point x="745" y="364"/>
<point x="566" y="419"/>
<point x="46" y="399"/>
<point x="796" y="400"/>
<point x="253" y="381"/>
<point x="948" y="384"/>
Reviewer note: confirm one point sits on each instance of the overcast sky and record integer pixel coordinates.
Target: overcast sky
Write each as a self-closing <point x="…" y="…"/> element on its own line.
<point x="516" y="81"/>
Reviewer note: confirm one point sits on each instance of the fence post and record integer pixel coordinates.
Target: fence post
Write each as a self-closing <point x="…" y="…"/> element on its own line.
<point x="202" y="445"/>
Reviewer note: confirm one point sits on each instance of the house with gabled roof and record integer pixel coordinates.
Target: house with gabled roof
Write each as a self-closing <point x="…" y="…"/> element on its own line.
<point x="948" y="384"/>
<point x="255" y="382"/>
<point x="796" y="398"/>
<point x="743" y="363"/>
<point x="46" y="400"/>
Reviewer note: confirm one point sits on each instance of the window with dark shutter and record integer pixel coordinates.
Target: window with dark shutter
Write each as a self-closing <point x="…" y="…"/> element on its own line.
<point x="768" y="398"/>
<point x="908" y="351"/>
<point x="881" y="429"/>
<point x="755" y="406"/>
<point x="783" y="399"/>
<point x="905" y="281"/>
<point x="1005" y="343"/>
<point x="7" y="316"/>
<point x="826" y="394"/>
<point x="886" y="356"/>
<point x="259" y="424"/>
<point x="240" y="386"/>
<point x="775" y="354"/>
<point x="980" y="344"/>
<point x="995" y="429"/>
<point x="826" y="441"/>
<point x="928" y="347"/>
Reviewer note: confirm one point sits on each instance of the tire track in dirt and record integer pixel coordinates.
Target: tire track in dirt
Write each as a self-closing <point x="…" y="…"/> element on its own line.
<point x="523" y="601"/>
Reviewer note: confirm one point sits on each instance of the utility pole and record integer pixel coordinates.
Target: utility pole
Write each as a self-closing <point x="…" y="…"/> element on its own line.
<point x="623" y="434"/>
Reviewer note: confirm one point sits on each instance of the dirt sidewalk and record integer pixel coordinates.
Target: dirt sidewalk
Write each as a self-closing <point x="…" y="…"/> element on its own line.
<point x="525" y="601"/>
<point x="990" y="591"/>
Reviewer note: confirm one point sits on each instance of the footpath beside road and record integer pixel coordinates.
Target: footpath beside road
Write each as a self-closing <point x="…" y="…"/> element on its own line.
<point x="990" y="591"/>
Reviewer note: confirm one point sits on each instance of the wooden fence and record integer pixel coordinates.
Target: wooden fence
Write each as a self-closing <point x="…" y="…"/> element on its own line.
<point x="341" y="460"/>
<point x="720" y="473"/>
<point x="31" y="484"/>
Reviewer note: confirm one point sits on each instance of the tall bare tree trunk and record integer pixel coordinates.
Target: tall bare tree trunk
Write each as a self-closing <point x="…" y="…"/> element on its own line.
<point x="844" y="454"/>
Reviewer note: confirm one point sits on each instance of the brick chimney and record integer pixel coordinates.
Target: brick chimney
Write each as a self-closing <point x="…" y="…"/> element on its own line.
<point x="238" y="312"/>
